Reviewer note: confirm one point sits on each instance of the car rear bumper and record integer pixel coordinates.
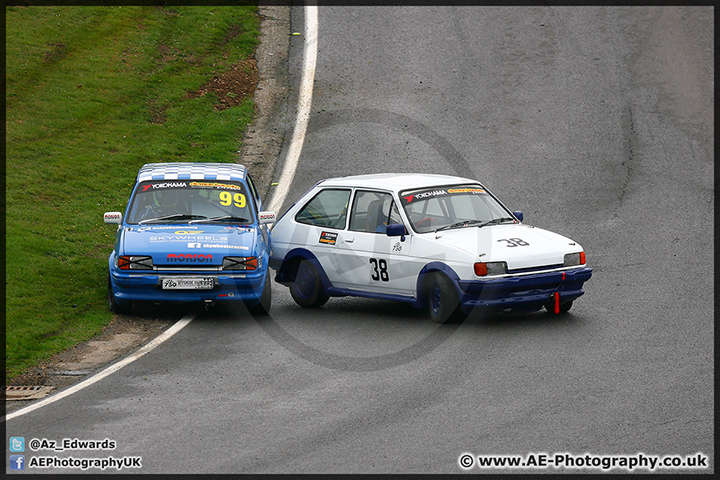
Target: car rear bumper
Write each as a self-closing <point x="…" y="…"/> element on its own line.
<point x="529" y="292"/>
<point x="244" y="287"/>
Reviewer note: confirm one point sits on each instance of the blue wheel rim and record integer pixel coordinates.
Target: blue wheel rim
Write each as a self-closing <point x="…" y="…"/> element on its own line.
<point x="435" y="300"/>
<point x="305" y="281"/>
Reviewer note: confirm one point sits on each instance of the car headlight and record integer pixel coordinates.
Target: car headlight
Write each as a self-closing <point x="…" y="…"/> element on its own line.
<point x="490" y="268"/>
<point x="134" y="262"/>
<point x="240" y="263"/>
<point x="572" y="259"/>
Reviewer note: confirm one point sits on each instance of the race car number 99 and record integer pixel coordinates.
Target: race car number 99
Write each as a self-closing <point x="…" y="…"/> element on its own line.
<point x="227" y="198"/>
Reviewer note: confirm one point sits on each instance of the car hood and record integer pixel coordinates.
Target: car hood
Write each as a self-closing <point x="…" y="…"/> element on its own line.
<point x="521" y="246"/>
<point x="200" y="244"/>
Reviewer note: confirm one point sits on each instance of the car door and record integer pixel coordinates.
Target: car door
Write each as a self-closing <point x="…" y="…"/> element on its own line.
<point x="367" y="260"/>
<point x="318" y="224"/>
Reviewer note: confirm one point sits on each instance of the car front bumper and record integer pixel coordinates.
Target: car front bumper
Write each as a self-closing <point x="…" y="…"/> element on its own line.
<point x="530" y="292"/>
<point x="244" y="287"/>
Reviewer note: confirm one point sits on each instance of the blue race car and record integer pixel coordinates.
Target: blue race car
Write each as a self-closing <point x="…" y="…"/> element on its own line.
<point x="192" y="232"/>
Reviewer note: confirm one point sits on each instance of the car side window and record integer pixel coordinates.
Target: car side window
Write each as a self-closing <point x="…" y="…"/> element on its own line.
<point x="373" y="211"/>
<point x="326" y="209"/>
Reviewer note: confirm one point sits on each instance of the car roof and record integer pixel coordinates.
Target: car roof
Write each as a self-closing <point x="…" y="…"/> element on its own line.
<point x="191" y="171"/>
<point x="395" y="181"/>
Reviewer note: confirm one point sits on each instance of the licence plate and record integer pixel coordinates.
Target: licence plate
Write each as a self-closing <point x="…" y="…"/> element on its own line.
<point x="188" y="283"/>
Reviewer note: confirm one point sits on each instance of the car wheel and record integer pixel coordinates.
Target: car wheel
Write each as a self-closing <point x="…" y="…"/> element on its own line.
<point x="306" y="289"/>
<point x="443" y="301"/>
<point x="564" y="307"/>
<point x="263" y="307"/>
<point x="113" y="305"/>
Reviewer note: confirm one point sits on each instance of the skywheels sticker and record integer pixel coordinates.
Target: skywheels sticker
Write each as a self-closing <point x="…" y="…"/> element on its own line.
<point x="188" y="238"/>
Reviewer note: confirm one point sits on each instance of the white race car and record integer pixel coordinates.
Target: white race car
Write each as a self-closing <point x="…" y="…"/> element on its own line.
<point x="435" y="241"/>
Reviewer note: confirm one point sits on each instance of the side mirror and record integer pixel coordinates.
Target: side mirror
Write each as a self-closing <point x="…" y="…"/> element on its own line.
<point x="113" y="218"/>
<point x="396" y="230"/>
<point x="266" y="217"/>
<point x="518" y="214"/>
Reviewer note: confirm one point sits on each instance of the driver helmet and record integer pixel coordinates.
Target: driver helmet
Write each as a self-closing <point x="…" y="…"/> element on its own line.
<point x="166" y="198"/>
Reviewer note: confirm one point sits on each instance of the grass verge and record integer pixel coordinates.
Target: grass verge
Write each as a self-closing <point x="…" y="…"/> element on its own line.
<point x="92" y="93"/>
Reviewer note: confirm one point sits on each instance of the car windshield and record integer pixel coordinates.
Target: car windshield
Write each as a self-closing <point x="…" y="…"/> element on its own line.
<point x="190" y="201"/>
<point x="447" y="207"/>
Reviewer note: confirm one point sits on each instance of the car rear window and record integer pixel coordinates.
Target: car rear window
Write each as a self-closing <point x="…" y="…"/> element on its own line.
<point x="326" y="209"/>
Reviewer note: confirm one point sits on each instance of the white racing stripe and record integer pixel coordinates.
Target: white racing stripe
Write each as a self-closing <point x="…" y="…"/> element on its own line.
<point x="296" y="144"/>
<point x="109" y="370"/>
<point x="303" y="110"/>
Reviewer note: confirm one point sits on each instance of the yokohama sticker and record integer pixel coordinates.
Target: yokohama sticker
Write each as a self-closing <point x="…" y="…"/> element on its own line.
<point x="421" y="195"/>
<point x="155" y="186"/>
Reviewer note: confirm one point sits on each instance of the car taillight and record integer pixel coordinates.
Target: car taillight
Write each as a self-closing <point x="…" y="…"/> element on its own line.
<point x="135" y="262"/>
<point x="240" y="263"/>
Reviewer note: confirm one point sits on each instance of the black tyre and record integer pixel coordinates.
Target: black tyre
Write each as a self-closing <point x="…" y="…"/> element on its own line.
<point x="564" y="307"/>
<point x="263" y="307"/>
<point x="113" y="306"/>
<point x="443" y="301"/>
<point x="306" y="289"/>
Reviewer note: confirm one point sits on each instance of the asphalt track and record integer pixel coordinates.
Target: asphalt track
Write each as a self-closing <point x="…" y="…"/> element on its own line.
<point x="597" y="122"/>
